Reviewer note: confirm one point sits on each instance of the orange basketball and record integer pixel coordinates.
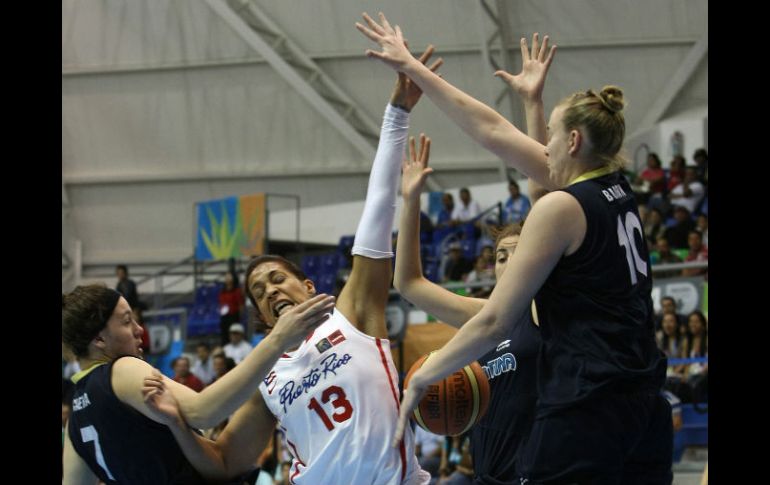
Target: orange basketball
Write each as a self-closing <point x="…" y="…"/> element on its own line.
<point x="454" y="404"/>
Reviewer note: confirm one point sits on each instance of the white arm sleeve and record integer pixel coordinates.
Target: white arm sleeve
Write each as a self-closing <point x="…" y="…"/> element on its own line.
<point x="373" y="236"/>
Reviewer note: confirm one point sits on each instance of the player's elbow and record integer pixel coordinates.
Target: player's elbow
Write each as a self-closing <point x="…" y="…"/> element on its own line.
<point x="404" y="281"/>
<point x="196" y="417"/>
<point x="493" y="325"/>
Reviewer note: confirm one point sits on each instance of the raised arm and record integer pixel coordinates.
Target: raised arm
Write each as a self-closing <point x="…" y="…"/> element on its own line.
<point x="556" y="227"/>
<point x="479" y="121"/>
<point x="226" y="394"/>
<point x="528" y="84"/>
<point x="365" y="295"/>
<point x="448" y="307"/>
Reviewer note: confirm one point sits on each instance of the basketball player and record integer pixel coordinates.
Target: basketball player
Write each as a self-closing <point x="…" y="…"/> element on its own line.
<point x="510" y="366"/>
<point x="583" y="257"/>
<point x="335" y="396"/>
<point x="112" y="434"/>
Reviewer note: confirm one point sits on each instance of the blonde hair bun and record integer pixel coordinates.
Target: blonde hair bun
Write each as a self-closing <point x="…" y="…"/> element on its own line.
<point x="612" y="98"/>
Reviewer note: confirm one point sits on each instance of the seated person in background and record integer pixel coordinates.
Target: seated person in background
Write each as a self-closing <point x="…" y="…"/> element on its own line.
<point x="678" y="233"/>
<point x="238" y="348"/>
<point x="457" y="267"/>
<point x="666" y="256"/>
<point x="203" y="366"/>
<point x="690" y="192"/>
<point x="468" y="208"/>
<point x="444" y="220"/>
<point x="222" y="364"/>
<point x="698" y="252"/>
<point x="182" y="375"/>
<point x="517" y="206"/>
<point x="654" y="226"/>
<point x="480" y="272"/>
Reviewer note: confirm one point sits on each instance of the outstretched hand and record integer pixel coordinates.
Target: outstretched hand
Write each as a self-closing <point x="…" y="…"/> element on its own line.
<point x="391" y="40"/>
<point x="407" y="92"/>
<point x="297" y="322"/>
<point x="415" y="168"/>
<point x="534" y="68"/>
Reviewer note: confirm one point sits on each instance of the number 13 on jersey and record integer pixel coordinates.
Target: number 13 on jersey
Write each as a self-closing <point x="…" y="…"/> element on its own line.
<point x="342" y="407"/>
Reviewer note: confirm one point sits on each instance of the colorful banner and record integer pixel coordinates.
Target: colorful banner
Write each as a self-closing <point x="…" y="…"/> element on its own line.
<point x="230" y="227"/>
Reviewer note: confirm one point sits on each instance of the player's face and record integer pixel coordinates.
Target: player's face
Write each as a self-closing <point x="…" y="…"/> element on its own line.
<point x="556" y="150"/>
<point x="276" y="289"/>
<point x="504" y="252"/>
<point x="122" y="335"/>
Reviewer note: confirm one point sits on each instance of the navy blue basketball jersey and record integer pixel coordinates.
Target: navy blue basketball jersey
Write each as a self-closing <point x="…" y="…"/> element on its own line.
<point x="595" y="308"/>
<point x="120" y="444"/>
<point x="511" y="370"/>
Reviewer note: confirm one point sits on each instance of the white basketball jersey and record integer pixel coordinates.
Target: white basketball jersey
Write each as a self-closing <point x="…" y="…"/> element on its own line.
<point x="336" y="399"/>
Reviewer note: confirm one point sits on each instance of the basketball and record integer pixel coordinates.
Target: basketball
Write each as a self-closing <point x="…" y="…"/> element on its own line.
<point x="454" y="404"/>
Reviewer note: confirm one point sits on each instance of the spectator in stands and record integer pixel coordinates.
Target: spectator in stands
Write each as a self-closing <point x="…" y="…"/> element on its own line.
<point x="678" y="233"/>
<point x="675" y="172"/>
<point x="697" y="346"/>
<point x="654" y="176"/>
<point x="457" y="267"/>
<point x="488" y="253"/>
<point x="668" y="305"/>
<point x="238" y="348"/>
<point x="203" y="366"/>
<point x="517" y="206"/>
<point x="231" y="302"/>
<point x="468" y="208"/>
<point x="222" y="364"/>
<point x="688" y="193"/>
<point x="671" y="342"/>
<point x="654" y="227"/>
<point x="481" y="272"/>
<point x="126" y="286"/>
<point x="701" y="158"/>
<point x="666" y="256"/>
<point x="444" y="220"/>
<point x="702" y="224"/>
<point x="182" y="375"/>
<point x="698" y="252"/>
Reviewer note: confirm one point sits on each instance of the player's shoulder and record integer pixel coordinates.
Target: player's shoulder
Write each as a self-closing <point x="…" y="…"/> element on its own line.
<point x="556" y="205"/>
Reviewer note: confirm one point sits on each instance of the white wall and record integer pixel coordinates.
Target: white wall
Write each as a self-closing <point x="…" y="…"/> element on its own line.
<point x="693" y="124"/>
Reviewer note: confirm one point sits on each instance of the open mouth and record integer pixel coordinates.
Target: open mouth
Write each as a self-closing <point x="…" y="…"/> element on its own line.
<point x="281" y="307"/>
